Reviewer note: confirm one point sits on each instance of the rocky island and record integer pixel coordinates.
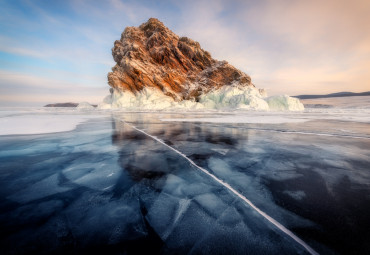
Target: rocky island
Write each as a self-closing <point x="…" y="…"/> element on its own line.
<point x="157" y="69"/>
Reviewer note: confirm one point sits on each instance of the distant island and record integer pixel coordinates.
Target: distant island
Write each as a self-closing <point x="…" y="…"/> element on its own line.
<point x="338" y="94"/>
<point x="62" y="105"/>
<point x="65" y="105"/>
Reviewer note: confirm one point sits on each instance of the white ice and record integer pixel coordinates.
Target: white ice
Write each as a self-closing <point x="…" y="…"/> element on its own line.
<point x="40" y="124"/>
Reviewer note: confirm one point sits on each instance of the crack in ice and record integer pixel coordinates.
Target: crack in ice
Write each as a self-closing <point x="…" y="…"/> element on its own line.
<point x="226" y="185"/>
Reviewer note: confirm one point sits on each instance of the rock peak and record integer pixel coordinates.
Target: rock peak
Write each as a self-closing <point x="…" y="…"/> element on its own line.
<point x="151" y="55"/>
<point x="153" y="22"/>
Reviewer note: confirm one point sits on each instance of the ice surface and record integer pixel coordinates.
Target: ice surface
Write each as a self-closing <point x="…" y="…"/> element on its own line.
<point x="125" y="183"/>
<point x="95" y="175"/>
<point x="45" y="187"/>
<point x="322" y="152"/>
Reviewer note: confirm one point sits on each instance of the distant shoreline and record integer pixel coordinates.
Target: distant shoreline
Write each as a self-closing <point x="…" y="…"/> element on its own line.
<point x="339" y="94"/>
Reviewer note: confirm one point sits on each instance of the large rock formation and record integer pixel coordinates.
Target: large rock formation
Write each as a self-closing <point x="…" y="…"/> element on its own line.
<point x="151" y="55"/>
<point x="156" y="69"/>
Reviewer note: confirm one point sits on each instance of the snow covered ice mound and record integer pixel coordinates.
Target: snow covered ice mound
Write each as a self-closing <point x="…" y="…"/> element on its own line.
<point x="284" y="102"/>
<point x="225" y="98"/>
<point x="234" y="97"/>
<point x="147" y="99"/>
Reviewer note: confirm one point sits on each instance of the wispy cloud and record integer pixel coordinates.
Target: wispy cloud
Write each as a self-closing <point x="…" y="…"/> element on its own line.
<point x="287" y="46"/>
<point x="25" y="88"/>
<point x="320" y="42"/>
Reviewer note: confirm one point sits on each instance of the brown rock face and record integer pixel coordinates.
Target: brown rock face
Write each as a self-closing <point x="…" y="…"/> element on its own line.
<point x="151" y="55"/>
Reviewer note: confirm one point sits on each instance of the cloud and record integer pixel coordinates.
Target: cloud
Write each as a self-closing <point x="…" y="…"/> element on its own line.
<point x="321" y="42"/>
<point x="332" y="25"/>
<point x="22" y="51"/>
<point x="287" y="46"/>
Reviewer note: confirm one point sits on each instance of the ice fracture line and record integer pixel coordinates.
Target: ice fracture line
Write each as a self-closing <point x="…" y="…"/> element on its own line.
<point x="226" y="185"/>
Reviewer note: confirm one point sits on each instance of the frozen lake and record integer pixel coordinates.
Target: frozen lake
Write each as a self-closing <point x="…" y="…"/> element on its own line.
<point x="180" y="183"/>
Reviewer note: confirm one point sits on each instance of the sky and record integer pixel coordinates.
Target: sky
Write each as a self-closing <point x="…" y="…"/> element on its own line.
<point x="60" y="50"/>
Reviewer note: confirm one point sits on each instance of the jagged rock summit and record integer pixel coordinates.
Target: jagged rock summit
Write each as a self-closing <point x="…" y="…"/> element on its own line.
<point x="157" y="69"/>
<point x="151" y="55"/>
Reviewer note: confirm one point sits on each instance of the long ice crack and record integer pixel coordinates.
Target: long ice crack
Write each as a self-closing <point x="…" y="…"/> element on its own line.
<point x="226" y="185"/>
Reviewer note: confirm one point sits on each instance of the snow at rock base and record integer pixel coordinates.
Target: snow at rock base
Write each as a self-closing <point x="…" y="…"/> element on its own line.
<point x="232" y="97"/>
